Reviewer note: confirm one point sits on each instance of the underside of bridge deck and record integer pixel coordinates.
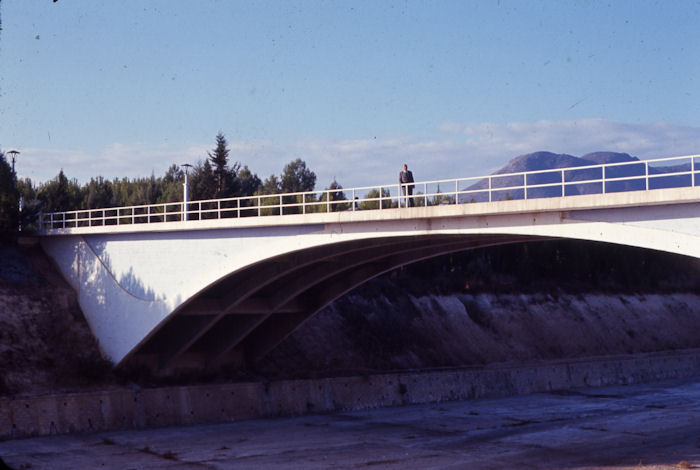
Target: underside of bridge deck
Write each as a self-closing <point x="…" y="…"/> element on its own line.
<point x="243" y="316"/>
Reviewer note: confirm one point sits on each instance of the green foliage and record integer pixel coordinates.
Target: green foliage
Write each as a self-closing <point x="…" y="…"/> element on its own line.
<point x="372" y="200"/>
<point x="64" y="194"/>
<point x="203" y="182"/>
<point x="333" y="197"/>
<point x="219" y="162"/>
<point x="248" y="182"/>
<point x="60" y="194"/>
<point x="440" y="199"/>
<point x="297" y="178"/>
<point x="9" y="196"/>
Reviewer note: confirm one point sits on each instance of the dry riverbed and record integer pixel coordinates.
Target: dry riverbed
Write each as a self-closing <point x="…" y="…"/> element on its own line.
<point x="649" y="426"/>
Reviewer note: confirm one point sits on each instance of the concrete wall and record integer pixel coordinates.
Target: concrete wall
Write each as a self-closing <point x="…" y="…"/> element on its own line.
<point x="188" y="405"/>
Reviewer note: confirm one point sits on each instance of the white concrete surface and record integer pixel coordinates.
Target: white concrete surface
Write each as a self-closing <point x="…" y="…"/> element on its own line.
<point x="130" y="279"/>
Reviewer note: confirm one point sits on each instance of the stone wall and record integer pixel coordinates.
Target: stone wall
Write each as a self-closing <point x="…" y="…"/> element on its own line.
<point x="126" y="408"/>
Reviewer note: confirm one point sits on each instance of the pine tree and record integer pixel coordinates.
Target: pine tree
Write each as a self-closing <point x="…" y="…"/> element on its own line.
<point x="219" y="162"/>
<point x="9" y="196"/>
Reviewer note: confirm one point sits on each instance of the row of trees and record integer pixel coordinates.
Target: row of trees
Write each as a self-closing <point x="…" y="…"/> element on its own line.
<point x="216" y="176"/>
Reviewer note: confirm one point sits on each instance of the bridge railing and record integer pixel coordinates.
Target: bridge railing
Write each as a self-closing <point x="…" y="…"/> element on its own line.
<point x="639" y="175"/>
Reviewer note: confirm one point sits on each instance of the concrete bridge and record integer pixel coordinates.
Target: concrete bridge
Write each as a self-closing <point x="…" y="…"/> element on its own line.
<point x="206" y="283"/>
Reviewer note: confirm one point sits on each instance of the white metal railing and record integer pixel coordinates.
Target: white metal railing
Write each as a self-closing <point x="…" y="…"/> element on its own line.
<point x="561" y="182"/>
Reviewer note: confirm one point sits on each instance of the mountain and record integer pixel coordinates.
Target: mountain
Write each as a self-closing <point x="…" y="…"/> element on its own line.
<point x="547" y="161"/>
<point x="601" y="158"/>
<point x="632" y="177"/>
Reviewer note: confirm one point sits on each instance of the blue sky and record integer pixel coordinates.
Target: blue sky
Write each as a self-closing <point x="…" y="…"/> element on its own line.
<point x="355" y="88"/>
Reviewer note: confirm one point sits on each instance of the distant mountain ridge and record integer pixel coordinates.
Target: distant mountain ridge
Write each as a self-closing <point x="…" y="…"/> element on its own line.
<point x="543" y="160"/>
<point x="630" y="176"/>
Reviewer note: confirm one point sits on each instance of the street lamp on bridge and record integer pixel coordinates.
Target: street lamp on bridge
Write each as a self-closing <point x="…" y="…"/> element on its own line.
<point x="186" y="192"/>
<point x="13" y="155"/>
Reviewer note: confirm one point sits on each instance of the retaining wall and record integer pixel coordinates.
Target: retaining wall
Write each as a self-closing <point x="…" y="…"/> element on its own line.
<point x="126" y="408"/>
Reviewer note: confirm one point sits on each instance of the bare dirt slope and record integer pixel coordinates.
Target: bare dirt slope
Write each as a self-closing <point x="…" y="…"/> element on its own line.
<point x="45" y="343"/>
<point x="392" y="330"/>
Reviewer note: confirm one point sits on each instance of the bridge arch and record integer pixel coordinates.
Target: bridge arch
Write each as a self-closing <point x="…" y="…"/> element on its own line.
<point x="245" y="314"/>
<point x="206" y="292"/>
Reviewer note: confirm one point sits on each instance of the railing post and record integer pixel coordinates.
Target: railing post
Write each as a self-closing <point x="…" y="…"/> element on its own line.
<point x="238" y="208"/>
<point x="64" y="220"/>
<point x="563" y="184"/>
<point x="604" y="172"/>
<point x="354" y="200"/>
<point x="328" y="202"/>
<point x="456" y="191"/>
<point x="692" y="170"/>
<point x="303" y="203"/>
<point x="490" y="188"/>
<point x="646" y="176"/>
<point x="525" y="185"/>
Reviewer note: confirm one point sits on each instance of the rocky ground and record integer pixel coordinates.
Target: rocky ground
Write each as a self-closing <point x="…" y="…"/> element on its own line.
<point x="477" y="308"/>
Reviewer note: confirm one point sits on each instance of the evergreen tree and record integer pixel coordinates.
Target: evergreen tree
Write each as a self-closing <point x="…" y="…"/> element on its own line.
<point x="9" y="196"/>
<point x="203" y="182"/>
<point x="219" y="162"/>
<point x="248" y="182"/>
<point x="60" y="194"/>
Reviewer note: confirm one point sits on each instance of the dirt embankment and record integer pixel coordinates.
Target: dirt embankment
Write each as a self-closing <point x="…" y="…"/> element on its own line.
<point x="389" y="330"/>
<point x="45" y="342"/>
<point x="481" y="307"/>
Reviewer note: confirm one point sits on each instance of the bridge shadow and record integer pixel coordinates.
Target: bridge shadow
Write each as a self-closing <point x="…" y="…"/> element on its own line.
<point x="127" y="281"/>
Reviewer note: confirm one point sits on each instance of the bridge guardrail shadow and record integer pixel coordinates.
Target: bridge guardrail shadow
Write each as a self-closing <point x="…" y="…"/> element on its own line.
<point x="638" y="175"/>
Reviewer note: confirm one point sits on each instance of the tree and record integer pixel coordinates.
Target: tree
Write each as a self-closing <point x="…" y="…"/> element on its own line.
<point x="269" y="187"/>
<point x="332" y="195"/>
<point x="373" y="202"/>
<point x="297" y="178"/>
<point x="219" y="162"/>
<point x="60" y="194"/>
<point x="248" y="182"/>
<point x="172" y="185"/>
<point x="9" y="196"/>
<point x="98" y="194"/>
<point x="203" y="182"/>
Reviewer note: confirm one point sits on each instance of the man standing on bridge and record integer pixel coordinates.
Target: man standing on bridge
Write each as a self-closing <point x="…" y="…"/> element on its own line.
<point x="406" y="182"/>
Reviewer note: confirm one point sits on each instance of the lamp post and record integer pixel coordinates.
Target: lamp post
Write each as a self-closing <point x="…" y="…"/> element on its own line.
<point x="13" y="155"/>
<point x="186" y="193"/>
